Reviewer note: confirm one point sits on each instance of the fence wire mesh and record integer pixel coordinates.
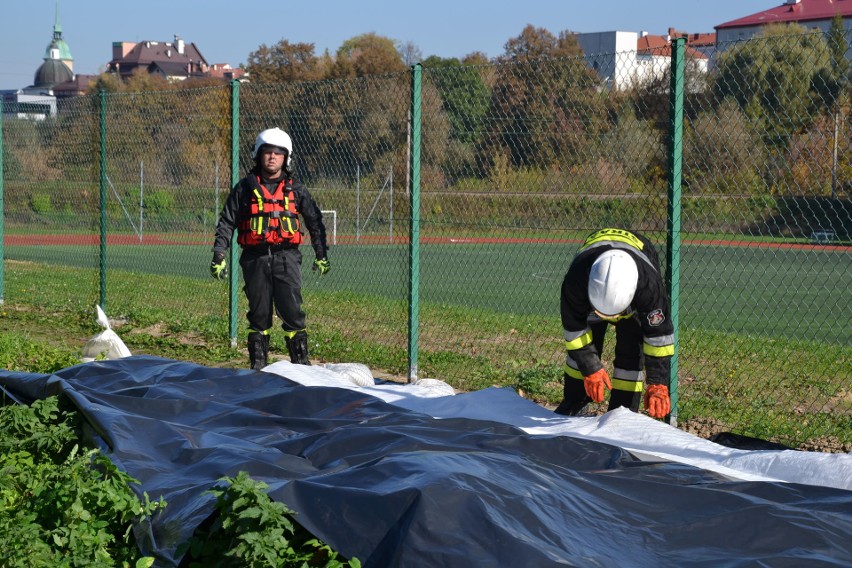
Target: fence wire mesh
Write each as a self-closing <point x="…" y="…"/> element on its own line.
<point x="765" y="293"/>
<point x="519" y="160"/>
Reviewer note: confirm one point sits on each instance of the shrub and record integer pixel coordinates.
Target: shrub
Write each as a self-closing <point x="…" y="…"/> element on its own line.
<point x="159" y="202"/>
<point x="61" y="505"/>
<point x="40" y="203"/>
<point x="251" y="530"/>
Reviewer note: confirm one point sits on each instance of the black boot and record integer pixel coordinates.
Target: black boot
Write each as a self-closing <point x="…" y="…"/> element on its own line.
<point x="298" y="348"/>
<point x="258" y="348"/>
<point x="574" y="397"/>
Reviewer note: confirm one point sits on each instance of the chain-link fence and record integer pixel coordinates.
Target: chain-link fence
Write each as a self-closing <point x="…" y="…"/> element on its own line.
<point x="735" y="161"/>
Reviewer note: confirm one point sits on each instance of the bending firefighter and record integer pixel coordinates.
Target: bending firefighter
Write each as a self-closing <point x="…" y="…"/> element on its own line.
<point x="265" y="208"/>
<point x="615" y="280"/>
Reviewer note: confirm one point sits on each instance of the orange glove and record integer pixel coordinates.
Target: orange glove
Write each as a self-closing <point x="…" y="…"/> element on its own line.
<point x="657" y="401"/>
<point x="595" y="383"/>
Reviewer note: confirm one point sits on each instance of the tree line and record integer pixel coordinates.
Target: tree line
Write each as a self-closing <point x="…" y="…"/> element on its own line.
<point x="770" y="118"/>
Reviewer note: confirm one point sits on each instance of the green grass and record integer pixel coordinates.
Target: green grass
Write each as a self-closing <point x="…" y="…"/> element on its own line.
<point x="779" y="372"/>
<point x="20" y="352"/>
<point x="778" y="292"/>
<point x="794" y="391"/>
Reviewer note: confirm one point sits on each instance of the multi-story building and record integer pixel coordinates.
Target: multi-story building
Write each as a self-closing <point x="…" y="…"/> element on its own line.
<point x="176" y="61"/>
<point x="629" y="59"/>
<point x="812" y="14"/>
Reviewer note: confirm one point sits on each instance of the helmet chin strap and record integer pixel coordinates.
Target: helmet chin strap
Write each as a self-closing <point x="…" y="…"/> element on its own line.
<point x="617" y="317"/>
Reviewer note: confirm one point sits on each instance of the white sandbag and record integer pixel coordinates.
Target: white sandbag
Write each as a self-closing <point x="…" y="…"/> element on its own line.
<point x="106" y="344"/>
<point x="434" y="387"/>
<point x="358" y="373"/>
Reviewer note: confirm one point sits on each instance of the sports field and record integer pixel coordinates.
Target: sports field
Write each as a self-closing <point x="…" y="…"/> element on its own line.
<point x="774" y="291"/>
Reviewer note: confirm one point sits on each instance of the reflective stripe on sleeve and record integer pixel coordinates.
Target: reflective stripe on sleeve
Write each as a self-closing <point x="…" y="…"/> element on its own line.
<point x="662" y="346"/>
<point x="571" y="368"/>
<point x="576" y="339"/>
<point x="573" y="373"/>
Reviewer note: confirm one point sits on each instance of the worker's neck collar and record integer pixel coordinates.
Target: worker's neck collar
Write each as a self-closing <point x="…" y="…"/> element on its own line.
<point x="265" y="178"/>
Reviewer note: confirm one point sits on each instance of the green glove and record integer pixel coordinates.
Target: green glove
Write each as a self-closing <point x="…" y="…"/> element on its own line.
<point x="322" y="265"/>
<point x="218" y="267"/>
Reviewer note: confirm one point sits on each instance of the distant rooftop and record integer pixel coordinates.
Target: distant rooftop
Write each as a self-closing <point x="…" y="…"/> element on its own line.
<point x="794" y="11"/>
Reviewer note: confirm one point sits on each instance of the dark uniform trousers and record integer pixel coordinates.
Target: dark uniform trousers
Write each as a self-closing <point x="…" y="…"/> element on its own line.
<point x="629" y="360"/>
<point x="627" y="376"/>
<point x="273" y="276"/>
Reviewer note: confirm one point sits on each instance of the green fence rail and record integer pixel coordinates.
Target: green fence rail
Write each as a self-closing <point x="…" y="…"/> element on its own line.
<point x="455" y="197"/>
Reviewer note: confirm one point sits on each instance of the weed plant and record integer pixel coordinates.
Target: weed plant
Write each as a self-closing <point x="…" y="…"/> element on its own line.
<point x="61" y="504"/>
<point x="250" y="530"/>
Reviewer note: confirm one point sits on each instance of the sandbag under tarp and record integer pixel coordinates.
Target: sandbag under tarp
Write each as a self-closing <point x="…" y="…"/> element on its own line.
<point x="395" y="487"/>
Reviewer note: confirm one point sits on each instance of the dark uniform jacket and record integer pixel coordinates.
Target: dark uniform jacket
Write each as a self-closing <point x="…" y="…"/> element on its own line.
<point x="650" y="304"/>
<point x="239" y="203"/>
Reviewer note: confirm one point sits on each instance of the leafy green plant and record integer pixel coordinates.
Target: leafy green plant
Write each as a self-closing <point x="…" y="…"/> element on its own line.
<point x="17" y="352"/>
<point x="251" y="530"/>
<point x="60" y="504"/>
<point x="40" y="428"/>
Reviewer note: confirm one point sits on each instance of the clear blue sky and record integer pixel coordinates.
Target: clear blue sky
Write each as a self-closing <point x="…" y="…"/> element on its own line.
<point x="226" y="32"/>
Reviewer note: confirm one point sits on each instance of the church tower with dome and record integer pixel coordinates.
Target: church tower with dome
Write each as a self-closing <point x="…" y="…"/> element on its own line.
<point x="58" y="66"/>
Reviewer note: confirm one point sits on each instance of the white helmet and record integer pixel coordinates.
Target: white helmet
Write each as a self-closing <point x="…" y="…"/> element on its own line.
<point x="274" y="137"/>
<point x="612" y="282"/>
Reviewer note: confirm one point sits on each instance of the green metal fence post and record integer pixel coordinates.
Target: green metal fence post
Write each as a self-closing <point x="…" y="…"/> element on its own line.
<point x="414" y="232"/>
<point x="674" y="197"/>
<point x="2" y="213"/>
<point x="235" y="177"/>
<point x="103" y="196"/>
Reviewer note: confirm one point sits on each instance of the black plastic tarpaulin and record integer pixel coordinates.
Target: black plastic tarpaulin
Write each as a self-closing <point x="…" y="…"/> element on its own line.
<point x="394" y="487"/>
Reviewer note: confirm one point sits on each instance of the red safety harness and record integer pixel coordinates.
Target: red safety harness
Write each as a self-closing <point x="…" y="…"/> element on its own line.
<point x="273" y="218"/>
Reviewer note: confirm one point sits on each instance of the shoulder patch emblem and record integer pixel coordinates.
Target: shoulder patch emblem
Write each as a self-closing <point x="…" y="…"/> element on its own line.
<point x="656" y="317"/>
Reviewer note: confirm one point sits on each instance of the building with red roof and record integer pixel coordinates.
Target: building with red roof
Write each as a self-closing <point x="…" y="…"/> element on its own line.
<point x="225" y="71"/>
<point x="175" y="61"/>
<point x="627" y="59"/>
<point x="812" y="14"/>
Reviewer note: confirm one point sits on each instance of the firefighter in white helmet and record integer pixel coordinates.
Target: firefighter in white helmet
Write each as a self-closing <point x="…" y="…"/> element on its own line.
<point x="615" y="280"/>
<point x="267" y="208"/>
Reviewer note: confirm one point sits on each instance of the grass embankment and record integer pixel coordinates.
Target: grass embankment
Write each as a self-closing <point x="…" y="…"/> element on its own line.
<point x="794" y="392"/>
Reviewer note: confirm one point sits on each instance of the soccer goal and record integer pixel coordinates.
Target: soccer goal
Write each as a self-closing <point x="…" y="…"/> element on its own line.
<point x="333" y="213"/>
